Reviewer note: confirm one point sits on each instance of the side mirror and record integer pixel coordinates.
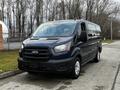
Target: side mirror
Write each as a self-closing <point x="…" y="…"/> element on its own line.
<point x="83" y="36"/>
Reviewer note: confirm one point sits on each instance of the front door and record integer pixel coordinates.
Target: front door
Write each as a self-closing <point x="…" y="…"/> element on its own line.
<point x="84" y="46"/>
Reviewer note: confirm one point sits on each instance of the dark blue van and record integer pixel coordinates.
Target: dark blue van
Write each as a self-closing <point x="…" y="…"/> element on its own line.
<point x="61" y="46"/>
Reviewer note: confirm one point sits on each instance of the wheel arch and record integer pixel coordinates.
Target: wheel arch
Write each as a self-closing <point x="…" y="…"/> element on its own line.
<point x="79" y="56"/>
<point x="77" y="53"/>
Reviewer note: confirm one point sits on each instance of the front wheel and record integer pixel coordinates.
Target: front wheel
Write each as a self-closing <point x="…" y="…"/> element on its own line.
<point x="76" y="69"/>
<point x="32" y="73"/>
<point x="97" y="57"/>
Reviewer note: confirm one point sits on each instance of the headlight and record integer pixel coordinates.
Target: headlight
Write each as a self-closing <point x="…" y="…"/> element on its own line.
<point x="22" y="46"/>
<point x="63" y="48"/>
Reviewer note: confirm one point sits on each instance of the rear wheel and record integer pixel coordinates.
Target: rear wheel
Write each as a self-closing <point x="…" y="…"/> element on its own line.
<point x="76" y="69"/>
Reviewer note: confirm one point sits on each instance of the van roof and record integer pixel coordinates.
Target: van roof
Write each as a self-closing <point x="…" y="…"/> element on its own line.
<point x="62" y="21"/>
<point x="82" y="20"/>
<point x="72" y="21"/>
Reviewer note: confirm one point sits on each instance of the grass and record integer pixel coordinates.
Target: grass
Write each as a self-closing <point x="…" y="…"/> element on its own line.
<point x="8" y="61"/>
<point x="107" y="41"/>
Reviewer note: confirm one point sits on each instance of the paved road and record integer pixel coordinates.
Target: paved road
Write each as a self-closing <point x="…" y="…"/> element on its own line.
<point x="94" y="76"/>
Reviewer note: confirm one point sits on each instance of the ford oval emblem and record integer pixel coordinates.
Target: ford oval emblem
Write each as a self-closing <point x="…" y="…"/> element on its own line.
<point x="35" y="52"/>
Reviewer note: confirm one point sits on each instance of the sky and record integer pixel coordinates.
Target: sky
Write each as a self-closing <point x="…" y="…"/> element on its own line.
<point x="116" y="0"/>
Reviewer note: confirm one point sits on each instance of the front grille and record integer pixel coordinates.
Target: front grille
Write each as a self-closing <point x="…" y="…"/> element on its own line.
<point x="36" y="53"/>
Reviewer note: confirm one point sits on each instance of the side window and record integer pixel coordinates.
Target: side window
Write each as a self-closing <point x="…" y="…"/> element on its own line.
<point x="91" y="27"/>
<point x="98" y="30"/>
<point x="91" y="30"/>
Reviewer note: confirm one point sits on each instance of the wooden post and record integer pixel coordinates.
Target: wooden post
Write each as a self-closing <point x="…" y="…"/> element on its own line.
<point x="1" y="38"/>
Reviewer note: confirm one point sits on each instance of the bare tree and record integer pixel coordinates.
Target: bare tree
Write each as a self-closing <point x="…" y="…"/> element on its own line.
<point x="39" y="12"/>
<point x="2" y="9"/>
<point x="89" y="10"/>
<point x="31" y="7"/>
<point x="24" y="16"/>
<point x="9" y="2"/>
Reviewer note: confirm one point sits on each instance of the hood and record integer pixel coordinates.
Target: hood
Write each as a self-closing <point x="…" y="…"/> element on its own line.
<point x="49" y="41"/>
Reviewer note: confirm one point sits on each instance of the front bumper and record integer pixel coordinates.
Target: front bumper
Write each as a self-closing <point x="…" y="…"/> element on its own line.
<point x="65" y="65"/>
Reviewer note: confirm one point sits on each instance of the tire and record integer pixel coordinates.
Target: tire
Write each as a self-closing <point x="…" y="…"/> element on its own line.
<point x="97" y="57"/>
<point x="76" y="69"/>
<point x="32" y="73"/>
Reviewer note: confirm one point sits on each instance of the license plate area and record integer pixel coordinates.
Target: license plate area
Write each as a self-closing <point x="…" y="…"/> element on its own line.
<point x="33" y="65"/>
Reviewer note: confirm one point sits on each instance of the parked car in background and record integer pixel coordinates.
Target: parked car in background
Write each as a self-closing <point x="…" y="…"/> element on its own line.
<point x="61" y="46"/>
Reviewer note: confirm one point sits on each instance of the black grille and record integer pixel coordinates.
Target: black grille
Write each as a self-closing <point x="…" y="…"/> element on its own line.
<point x="36" y="53"/>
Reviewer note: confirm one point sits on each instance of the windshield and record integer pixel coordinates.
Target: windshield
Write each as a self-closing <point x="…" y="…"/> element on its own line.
<point x="55" y="29"/>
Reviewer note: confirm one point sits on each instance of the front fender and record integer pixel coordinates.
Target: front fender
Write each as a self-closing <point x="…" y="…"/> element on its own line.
<point x="76" y="52"/>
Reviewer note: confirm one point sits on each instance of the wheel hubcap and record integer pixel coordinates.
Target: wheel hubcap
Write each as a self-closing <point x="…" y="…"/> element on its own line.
<point x="77" y="68"/>
<point x="98" y="56"/>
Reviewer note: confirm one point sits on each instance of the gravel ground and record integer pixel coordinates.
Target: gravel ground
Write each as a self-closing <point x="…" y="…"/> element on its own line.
<point x="94" y="76"/>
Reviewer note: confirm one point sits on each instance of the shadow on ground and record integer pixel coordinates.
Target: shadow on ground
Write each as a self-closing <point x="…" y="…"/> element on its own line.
<point x="50" y="80"/>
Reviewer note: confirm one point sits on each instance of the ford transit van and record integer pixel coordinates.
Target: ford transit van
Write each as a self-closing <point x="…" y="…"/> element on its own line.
<point x="61" y="46"/>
